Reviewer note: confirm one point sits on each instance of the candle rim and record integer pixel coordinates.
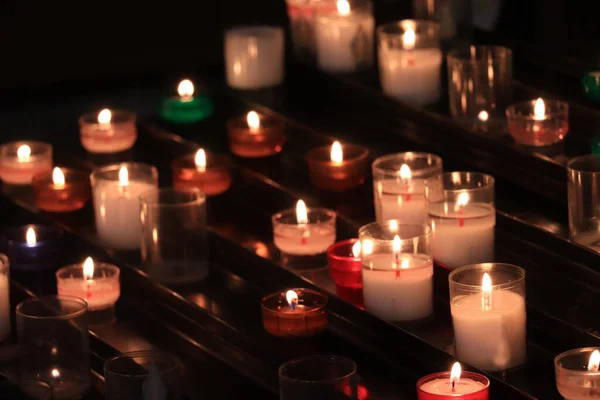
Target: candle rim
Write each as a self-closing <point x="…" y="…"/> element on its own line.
<point x="118" y="117"/>
<point x="489" y="268"/>
<point x="72" y="299"/>
<point x="213" y="161"/>
<point x="330" y="215"/>
<point x="366" y="231"/>
<point x="572" y="352"/>
<point x="331" y="251"/>
<point x="38" y="148"/>
<point x="106" y="172"/>
<point x="321" y="297"/>
<point x="464" y="374"/>
<point x="554" y="109"/>
<point x="407" y="158"/>
<point x="115" y="271"/>
<point x="489" y="182"/>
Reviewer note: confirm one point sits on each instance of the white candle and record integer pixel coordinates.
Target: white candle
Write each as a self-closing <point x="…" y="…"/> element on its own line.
<point x="345" y="39"/>
<point x="402" y="199"/>
<point x="454" y="386"/>
<point x="4" y="304"/>
<point x="108" y="132"/>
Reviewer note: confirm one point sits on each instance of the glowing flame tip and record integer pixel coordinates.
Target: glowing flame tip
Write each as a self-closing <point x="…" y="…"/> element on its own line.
<point x="409" y="39"/>
<point x="253" y="120"/>
<point x="455" y="372"/>
<point x="486" y="283"/>
<point x="291" y="297"/>
<point x="104" y="116"/>
<point x="185" y="88"/>
<point x="343" y="7"/>
<point x="337" y="155"/>
<point x="88" y="268"/>
<point x="200" y="160"/>
<point x="396" y="244"/>
<point x="58" y="177"/>
<point x="539" y="110"/>
<point x="594" y="363"/>
<point x="405" y="172"/>
<point x="30" y="236"/>
<point x="23" y="152"/>
<point x="301" y="212"/>
<point x="123" y="176"/>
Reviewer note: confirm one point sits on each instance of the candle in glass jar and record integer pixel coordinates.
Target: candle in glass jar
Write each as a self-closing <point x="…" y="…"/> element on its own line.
<point x="338" y="169"/>
<point x="256" y="135"/>
<point x="20" y="161"/>
<point x="108" y="131"/>
<point x="64" y="190"/>
<point x="453" y="385"/>
<point x="187" y="107"/>
<point x="538" y="122"/>
<point x="209" y="173"/>
<point x="577" y="374"/>
<point x="31" y="247"/>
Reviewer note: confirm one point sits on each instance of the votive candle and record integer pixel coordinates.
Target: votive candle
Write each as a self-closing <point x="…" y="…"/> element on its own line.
<point x="108" y="131"/>
<point x="32" y="247"/>
<point x="256" y="135"/>
<point x="338" y="168"/>
<point x="187" y="107"/>
<point x="345" y="267"/>
<point x="577" y="375"/>
<point x="63" y="190"/>
<point x="20" y="161"/>
<point x="454" y="384"/>
<point x="538" y="122"/>
<point x="208" y="172"/>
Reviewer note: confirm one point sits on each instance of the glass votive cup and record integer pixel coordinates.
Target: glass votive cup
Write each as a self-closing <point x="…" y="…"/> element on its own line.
<point x="4" y="297"/>
<point x="461" y="211"/>
<point x="489" y="318"/>
<point x="470" y="386"/>
<point x="345" y="267"/>
<point x="480" y="86"/>
<point x="344" y="39"/>
<point x="263" y="140"/>
<point x="116" y="202"/>
<point x="548" y="126"/>
<point x="583" y="175"/>
<point x="410" y="64"/>
<point x="174" y="235"/>
<point x="61" y="197"/>
<point x="36" y="250"/>
<point x="573" y="379"/>
<point x="397" y="270"/>
<point x="143" y="374"/>
<point x="190" y="106"/>
<point x="318" y="377"/>
<point x="116" y="133"/>
<point x="213" y="179"/>
<point x="100" y="289"/>
<point x="54" y="344"/>
<point x="300" y="313"/>
<point x="399" y="185"/>
<point x="20" y="161"/>
<point x="338" y="176"/>
<point x="302" y="15"/>
<point x="254" y="56"/>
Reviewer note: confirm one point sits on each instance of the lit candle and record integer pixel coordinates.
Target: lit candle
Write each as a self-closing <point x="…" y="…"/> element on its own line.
<point x="577" y="375"/>
<point x="294" y="313"/>
<point x="187" y="107"/>
<point x="31" y="247"/>
<point x="96" y="283"/>
<point x="209" y="173"/>
<point x="256" y="135"/>
<point x="538" y="122"/>
<point x="453" y="385"/>
<point x="20" y="161"/>
<point x="63" y="191"/>
<point x="345" y="39"/>
<point x="108" y="131"/>
<point x="345" y="268"/>
<point x="4" y="298"/>
<point x="338" y="169"/>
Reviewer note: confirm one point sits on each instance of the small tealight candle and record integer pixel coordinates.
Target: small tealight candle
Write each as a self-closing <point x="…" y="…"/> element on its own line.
<point x="62" y="191"/>
<point x="345" y="267"/>
<point x="256" y="135"/>
<point x="108" y="131"/>
<point x="336" y="168"/>
<point x="96" y="283"/>
<point x="31" y="247"/>
<point x="187" y="107"/>
<point x="294" y="313"/>
<point x="487" y="303"/>
<point x="209" y="173"/>
<point x="538" y="122"/>
<point x="20" y="161"/>
<point x="577" y="373"/>
<point x="453" y="385"/>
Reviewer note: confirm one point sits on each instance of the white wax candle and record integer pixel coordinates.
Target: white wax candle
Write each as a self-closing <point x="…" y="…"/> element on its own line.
<point x="411" y="75"/>
<point x="99" y="293"/>
<point x="398" y="291"/>
<point x="110" y="140"/>
<point x="303" y="239"/>
<point x="344" y="42"/>
<point x="444" y="386"/>
<point x="401" y="200"/>
<point x="457" y="243"/>
<point x="4" y="307"/>
<point x="117" y="210"/>
<point x="493" y="339"/>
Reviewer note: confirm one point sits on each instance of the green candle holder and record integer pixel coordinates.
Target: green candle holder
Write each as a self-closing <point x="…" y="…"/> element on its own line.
<point x="591" y="85"/>
<point x="186" y="111"/>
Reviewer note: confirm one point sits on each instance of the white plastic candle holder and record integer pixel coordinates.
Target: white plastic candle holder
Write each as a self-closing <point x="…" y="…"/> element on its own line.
<point x="487" y="303"/>
<point x="254" y="56"/>
<point x="461" y="211"/>
<point x="577" y="375"/>
<point x="21" y="161"/>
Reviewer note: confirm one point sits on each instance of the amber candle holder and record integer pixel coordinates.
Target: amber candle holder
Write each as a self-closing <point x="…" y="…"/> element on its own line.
<point x="62" y="190"/>
<point x="338" y="169"/>
<point x="207" y="172"/>
<point x="294" y="313"/>
<point x="538" y="122"/>
<point x="345" y="267"/>
<point x="256" y="135"/>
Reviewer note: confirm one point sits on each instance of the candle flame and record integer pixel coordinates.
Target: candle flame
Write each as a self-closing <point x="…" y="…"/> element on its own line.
<point x="291" y="297"/>
<point x="104" y="116"/>
<point x="455" y="372"/>
<point x="253" y="120"/>
<point x="405" y="172"/>
<point x="30" y="237"/>
<point x="483" y="116"/>
<point x="88" y="268"/>
<point x="301" y="212"/>
<point x="462" y="200"/>
<point x="486" y="284"/>
<point x="337" y="155"/>
<point x="396" y="244"/>
<point x="185" y="89"/>
<point x="200" y="160"/>
<point x="409" y="39"/>
<point x="58" y="177"/>
<point x="594" y="363"/>
<point x="123" y="176"/>
<point x="356" y="249"/>
<point x="343" y="7"/>
<point x="24" y="152"/>
<point x="393" y="224"/>
<point x="55" y="373"/>
<point x="539" y="110"/>
<point x="366" y="247"/>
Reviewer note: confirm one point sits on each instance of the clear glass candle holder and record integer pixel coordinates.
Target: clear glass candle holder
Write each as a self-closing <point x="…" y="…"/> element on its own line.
<point x="338" y="176"/>
<point x="410" y="61"/>
<point x="32" y="247"/>
<point x="489" y="315"/>
<point x="532" y="129"/>
<point x="116" y="192"/>
<point x="20" y="161"/>
<point x="319" y="377"/>
<point x="213" y="179"/>
<point x="461" y="211"/>
<point x="300" y="313"/>
<point x="480" y="86"/>
<point x="174" y="235"/>
<point x="254" y="56"/>
<point x="61" y="197"/>
<point x="54" y="344"/>
<point x="144" y="374"/>
<point x="100" y="289"/>
<point x="574" y="380"/>
<point x="455" y="18"/>
<point x="584" y="200"/>
<point x="397" y="270"/>
<point x="470" y="386"/>
<point x="399" y="185"/>
<point x="263" y="140"/>
<point x="4" y="297"/>
<point x="116" y="133"/>
<point x="345" y="267"/>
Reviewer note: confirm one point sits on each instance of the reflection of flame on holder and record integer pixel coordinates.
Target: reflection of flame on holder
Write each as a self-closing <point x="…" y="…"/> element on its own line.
<point x="486" y="292"/>
<point x="406" y="174"/>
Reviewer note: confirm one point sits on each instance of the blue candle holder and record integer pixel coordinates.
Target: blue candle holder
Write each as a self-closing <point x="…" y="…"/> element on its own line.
<point x="32" y="257"/>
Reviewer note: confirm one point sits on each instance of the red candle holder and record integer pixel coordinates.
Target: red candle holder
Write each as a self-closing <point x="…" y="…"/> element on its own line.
<point x="294" y="313"/>
<point x="346" y="173"/>
<point x="470" y="386"/>
<point x="213" y="178"/>
<point x="538" y="124"/>
<point x="256" y="135"/>
<point x="346" y="270"/>
<point x="64" y="190"/>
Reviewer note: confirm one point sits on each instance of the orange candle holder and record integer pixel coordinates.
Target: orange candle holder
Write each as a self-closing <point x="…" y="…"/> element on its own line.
<point x="256" y="135"/>
<point x="62" y="190"/>
<point x="336" y="168"/>
<point x="294" y="313"/>
<point x="209" y="173"/>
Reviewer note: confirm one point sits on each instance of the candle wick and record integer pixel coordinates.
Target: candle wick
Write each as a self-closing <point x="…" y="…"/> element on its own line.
<point x="453" y="386"/>
<point x="294" y="304"/>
